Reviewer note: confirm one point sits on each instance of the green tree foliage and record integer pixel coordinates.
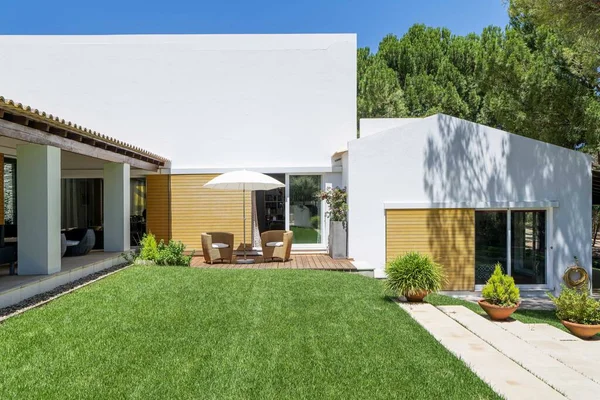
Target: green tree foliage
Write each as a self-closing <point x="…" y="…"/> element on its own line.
<point x="517" y="79"/>
<point x="577" y="22"/>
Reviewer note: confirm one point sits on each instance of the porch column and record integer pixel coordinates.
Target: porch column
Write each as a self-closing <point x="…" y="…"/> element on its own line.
<point x="38" y="209"/>
<point x="116" y="207"/>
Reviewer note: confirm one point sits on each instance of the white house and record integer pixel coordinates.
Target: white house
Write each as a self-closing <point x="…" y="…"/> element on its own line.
<point x="284" y="105"/>
<point x="470" y="195"/>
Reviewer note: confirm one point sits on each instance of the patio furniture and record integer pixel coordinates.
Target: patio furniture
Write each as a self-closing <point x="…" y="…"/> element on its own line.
<point x="243" y="180"/>
<point x="63" y="244"/>
<point x="217" y="246"/>
<point x="79" y="242"/>
<point x="276" y="244"/>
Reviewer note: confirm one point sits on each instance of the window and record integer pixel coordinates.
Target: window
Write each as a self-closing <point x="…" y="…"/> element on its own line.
<point x="490" y="243"/>
<point x="305" y="208"/>
<point x="528" y="247"/>
<point x="527" y="250"/>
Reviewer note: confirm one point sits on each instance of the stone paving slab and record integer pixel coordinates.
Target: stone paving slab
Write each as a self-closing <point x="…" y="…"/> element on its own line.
<point x="582" y="356"/>
<point x="506" y="377"/>
<point x="533" y="332"/>
<point x="561" y="377"/>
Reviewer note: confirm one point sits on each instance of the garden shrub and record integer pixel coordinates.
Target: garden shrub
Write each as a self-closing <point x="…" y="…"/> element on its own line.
<point x="413" y="273"/>
<point x="500" y="289"/>
<point x="149" y="248"/>
<point x="172" y="254"/>
<point x="578" y="306"/>
<point x="315" y="222"/>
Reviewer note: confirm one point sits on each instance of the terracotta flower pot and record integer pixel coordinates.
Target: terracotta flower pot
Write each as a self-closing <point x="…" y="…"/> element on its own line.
<point x="416" y="297"/>
<point x="580" y="330"/>
<point x="495" y="312"/>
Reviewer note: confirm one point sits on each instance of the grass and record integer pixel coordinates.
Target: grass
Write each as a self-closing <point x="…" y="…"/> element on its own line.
<point x="525" y="316"/>
<point x="305" y="235"/>
<point x="160" y="332"/>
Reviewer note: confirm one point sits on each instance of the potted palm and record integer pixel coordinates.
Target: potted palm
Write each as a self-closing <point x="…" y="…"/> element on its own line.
<point x="500" y="295"/>
<point x="414" y="275"/>
<point x="578" y="311"/>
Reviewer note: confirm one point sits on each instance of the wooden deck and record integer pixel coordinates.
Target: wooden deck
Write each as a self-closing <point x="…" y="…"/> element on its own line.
<point x="298" y="261"/>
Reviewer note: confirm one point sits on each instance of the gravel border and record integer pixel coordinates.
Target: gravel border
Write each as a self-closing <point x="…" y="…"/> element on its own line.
<point x="46" y="297"/>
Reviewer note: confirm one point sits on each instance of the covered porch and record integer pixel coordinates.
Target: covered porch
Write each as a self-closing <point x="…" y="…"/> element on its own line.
<point x="44" y="159"/>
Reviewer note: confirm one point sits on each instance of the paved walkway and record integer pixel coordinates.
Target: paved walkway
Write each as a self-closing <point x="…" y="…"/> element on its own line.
<point x="519" y="361"/>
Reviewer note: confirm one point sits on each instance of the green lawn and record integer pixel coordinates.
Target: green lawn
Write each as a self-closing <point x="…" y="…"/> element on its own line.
<point x="159" y="332"/>
<point x="305" y="235"/>
<point x="525" y="316"/>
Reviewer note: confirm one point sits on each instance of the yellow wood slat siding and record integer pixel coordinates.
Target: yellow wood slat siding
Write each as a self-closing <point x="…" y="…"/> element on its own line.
<point x="158" y="206"/>
<point x="448" y="235"/>
<point x="195" y="209"/>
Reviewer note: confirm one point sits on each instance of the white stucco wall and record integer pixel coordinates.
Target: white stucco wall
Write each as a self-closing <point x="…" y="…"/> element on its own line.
<point x="448" y="160"/>
<point x="205" y="101"/>
<point x="369" y="126"/>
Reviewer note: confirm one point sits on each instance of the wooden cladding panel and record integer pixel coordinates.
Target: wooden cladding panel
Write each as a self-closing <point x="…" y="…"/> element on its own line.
<point x="448" y="235"/>
<point x="195" y="209"/>
<point x="158" y="206"/>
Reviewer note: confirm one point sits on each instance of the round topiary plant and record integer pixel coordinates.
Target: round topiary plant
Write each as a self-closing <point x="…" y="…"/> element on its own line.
<point x="501" y="296"/>
<point x="414" y="275"/>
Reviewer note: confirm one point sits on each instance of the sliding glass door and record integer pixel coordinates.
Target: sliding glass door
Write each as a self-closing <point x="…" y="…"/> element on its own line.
<point x="525" y="258"/>
<point x="490" y="243"/>
<point x="528" y="247"/>
<point x="305" y="209"/>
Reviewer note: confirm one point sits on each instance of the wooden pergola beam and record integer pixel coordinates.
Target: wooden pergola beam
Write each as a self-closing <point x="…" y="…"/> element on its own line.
<point x="32" y="135"/>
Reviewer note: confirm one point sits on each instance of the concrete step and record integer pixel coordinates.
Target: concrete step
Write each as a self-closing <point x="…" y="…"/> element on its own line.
<point x="549" y="369"/>
<point x="506" y="377"/>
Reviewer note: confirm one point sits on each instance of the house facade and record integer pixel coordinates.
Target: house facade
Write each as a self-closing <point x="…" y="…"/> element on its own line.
<point x="470" y="196"/>
<point x="284" y="105"/>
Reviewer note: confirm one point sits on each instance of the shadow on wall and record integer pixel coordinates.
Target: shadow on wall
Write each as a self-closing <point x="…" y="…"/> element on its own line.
<point x="464" y="161"/>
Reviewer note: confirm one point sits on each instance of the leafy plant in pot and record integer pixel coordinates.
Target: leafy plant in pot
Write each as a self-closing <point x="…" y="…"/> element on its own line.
<point x="501" y="296"/>
<point x="578" y="311"/>
<point x="414" y="275"/>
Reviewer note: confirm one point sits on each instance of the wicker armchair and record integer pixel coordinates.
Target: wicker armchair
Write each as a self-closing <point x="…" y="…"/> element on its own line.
<point x="217" y="246"/>
<point x="276" y="244"/>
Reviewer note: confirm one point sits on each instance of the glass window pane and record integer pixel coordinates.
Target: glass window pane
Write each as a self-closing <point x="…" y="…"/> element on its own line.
<point x="528" y="247"/>
<point x="305" y="208"/>
<point x="490" y="243"/>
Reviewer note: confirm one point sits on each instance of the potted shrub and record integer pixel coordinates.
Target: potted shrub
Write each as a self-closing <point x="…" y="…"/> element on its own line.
<point x="414" y="275"/>
<point x="338" y="210"/>
<point x="578" y="312"/>
<point x="500" y="295"/>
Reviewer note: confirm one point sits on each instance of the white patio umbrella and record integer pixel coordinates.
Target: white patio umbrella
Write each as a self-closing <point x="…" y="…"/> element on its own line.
<point x="244" y="180"/>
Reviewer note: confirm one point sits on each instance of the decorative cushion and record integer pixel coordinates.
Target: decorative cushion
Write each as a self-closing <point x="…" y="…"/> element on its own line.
<point x="274" y="244"/>
<point x="220" y="245"/>
<point x="72" y="243"/>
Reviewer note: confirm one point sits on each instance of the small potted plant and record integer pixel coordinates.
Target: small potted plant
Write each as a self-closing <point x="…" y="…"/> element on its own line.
<point x="500" y="295"/>
<point x="414" y="275"/>
<point x="578" y="311"/>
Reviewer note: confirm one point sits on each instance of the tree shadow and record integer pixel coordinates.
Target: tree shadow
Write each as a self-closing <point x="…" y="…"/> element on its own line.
<point x="467" y="163"/>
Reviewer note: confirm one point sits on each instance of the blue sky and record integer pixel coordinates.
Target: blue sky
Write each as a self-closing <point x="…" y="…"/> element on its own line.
<point x="370" y="19"/>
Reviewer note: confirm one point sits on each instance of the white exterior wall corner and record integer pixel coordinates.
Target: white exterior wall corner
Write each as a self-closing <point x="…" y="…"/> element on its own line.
<point x="370" y="126"/>
<point x="443" y="159"/>
<point x="203" y="101"/>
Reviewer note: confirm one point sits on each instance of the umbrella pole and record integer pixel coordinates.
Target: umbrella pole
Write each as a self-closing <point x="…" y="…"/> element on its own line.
<point x="245" y="260"/>
<point x="244" y="202"/>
